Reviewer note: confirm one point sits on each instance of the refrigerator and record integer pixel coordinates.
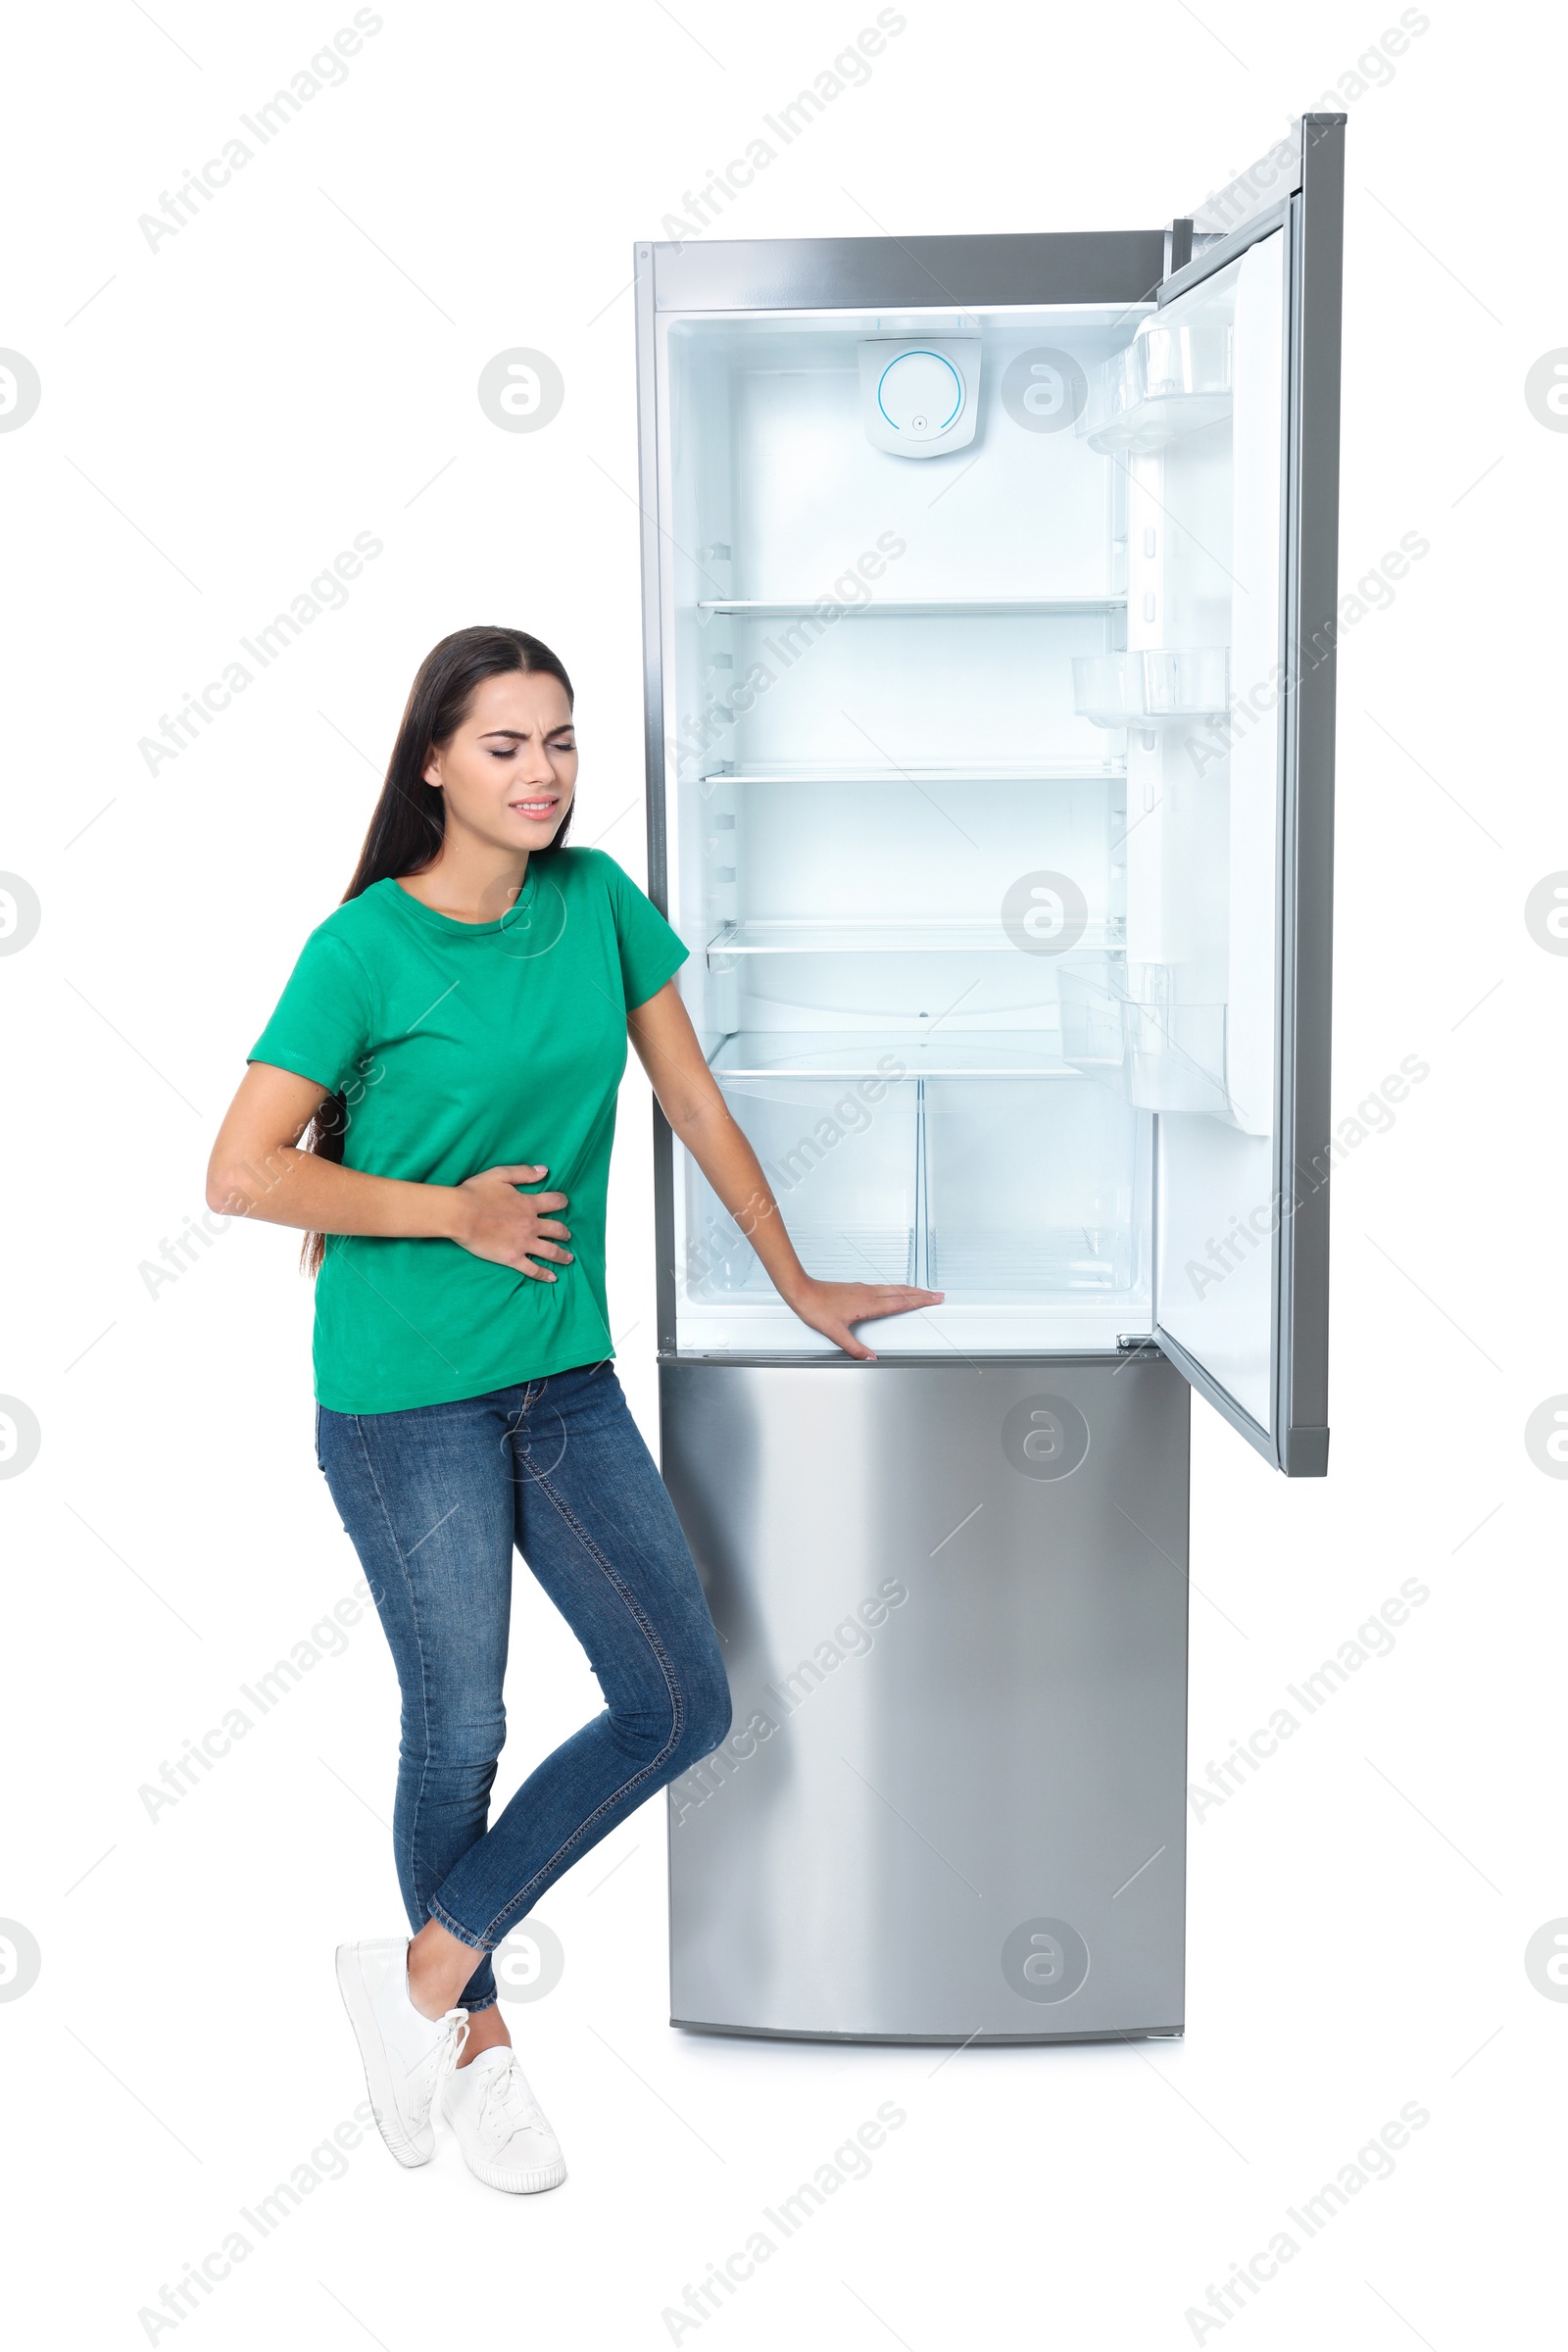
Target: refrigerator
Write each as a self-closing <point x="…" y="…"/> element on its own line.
<point x="989" y="603"/>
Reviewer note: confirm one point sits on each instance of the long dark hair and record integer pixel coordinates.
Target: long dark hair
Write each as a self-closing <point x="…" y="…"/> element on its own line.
<point x="408" y="824"/>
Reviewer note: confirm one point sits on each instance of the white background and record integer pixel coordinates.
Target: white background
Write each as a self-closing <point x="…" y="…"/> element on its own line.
<point x="219" y="417"/>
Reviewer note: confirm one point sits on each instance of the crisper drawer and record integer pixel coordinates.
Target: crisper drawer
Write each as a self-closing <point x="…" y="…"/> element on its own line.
<point x="1033" y="1188"/>
<point x="842" y="1159"/>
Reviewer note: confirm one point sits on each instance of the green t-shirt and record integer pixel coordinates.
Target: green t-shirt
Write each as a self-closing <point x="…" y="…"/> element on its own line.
<point x="460" y="1047"/>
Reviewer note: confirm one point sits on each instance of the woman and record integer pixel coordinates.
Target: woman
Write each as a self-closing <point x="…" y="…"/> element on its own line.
<point x="466" y="1008"/>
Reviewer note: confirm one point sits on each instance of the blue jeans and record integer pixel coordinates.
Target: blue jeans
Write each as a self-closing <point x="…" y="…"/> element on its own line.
<point x="434" y="1501"/>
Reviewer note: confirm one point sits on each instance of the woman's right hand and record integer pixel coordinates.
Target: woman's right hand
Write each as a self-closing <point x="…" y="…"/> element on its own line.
<point x="510" y="1228"/>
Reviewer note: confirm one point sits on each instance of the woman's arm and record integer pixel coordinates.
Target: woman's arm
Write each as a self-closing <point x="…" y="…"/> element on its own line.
<point x="690" y="1099"/>
<point x="257" y="1171"/>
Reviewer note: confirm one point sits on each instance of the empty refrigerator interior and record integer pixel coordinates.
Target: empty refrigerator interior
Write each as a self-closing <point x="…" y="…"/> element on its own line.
<point x="947" y="818"/>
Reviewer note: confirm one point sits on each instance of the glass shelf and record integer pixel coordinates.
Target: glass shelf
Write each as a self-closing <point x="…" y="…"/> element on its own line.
<point x="996" y="771"/>
<point x="977" y="936"/>
<point x="837" y="1054"/>
<point x="764" y="609"/>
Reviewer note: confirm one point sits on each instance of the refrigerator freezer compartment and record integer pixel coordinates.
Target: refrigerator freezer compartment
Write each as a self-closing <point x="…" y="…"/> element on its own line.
<point x="1170" y="379"/>
<point x="1032" y="1192"/>
<point x="841" y="1157"/>
<point x="1126" y="1025"/>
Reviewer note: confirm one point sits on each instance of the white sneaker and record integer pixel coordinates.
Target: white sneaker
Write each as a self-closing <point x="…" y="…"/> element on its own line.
<point x="503" y="2134"/>
<point x="405" y="2054"/>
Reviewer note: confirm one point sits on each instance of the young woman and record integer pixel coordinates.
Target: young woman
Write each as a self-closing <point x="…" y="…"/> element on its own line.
<point x="433" y="1100"/>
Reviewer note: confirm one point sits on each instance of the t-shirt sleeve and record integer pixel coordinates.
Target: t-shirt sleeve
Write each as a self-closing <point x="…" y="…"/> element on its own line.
<point x="321" y="1023"/>
<point x="650" y="952"/>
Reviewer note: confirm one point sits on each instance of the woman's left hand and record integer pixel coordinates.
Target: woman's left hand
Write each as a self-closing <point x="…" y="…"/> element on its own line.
<point x="830" y="1307"/>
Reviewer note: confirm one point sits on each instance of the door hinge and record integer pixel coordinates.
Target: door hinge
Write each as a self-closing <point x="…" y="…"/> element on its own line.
<point x="1178" y="246"/>
<point x="1130" y="1342"/>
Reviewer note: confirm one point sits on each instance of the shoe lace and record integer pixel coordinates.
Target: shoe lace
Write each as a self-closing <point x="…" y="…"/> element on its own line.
<point x="446" y="2053"/>
<point x="506" y="2098"/>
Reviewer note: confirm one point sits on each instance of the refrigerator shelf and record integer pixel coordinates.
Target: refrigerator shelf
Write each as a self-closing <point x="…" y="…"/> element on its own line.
<point x="959" y="607"/>
<point x="836" y="1055"/>
<point x="975" y="936"/>
<point x="995" y="771"/>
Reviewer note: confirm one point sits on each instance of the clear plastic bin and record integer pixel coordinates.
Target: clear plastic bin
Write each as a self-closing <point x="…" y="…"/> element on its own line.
<point x="1101" y="685"/>
<point x="1168" y="381"/>
<point x="1184" y="681"/>
<point x="1032" y="1189"/>
<point x="1153" y="688"/>
<point x="841" y="1157"/>
<point x="1129" y="1027"/>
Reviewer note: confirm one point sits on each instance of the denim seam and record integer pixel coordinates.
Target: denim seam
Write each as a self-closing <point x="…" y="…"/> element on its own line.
<point x="444" y="1919"/>
<point x="565" y="1512"/>
<point x="419" y="1637"/>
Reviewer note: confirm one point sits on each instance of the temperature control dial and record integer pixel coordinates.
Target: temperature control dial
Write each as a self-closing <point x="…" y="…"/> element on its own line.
<point x="920" y="398"/>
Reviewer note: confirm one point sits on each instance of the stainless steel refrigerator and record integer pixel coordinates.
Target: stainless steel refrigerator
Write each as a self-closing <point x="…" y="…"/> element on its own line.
<point x="989" y="593"/>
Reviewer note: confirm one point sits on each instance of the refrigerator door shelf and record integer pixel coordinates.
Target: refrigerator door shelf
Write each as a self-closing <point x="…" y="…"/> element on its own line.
<point x="1128" y="1029"/>
<point x="1160" y="686"/>
<point x="1103" y="691"/>
<point x="1185" y="681"/>
<point x="1170" y="380"/>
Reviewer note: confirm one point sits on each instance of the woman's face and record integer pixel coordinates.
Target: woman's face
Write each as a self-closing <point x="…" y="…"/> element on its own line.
<point x="510" y="769"/>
